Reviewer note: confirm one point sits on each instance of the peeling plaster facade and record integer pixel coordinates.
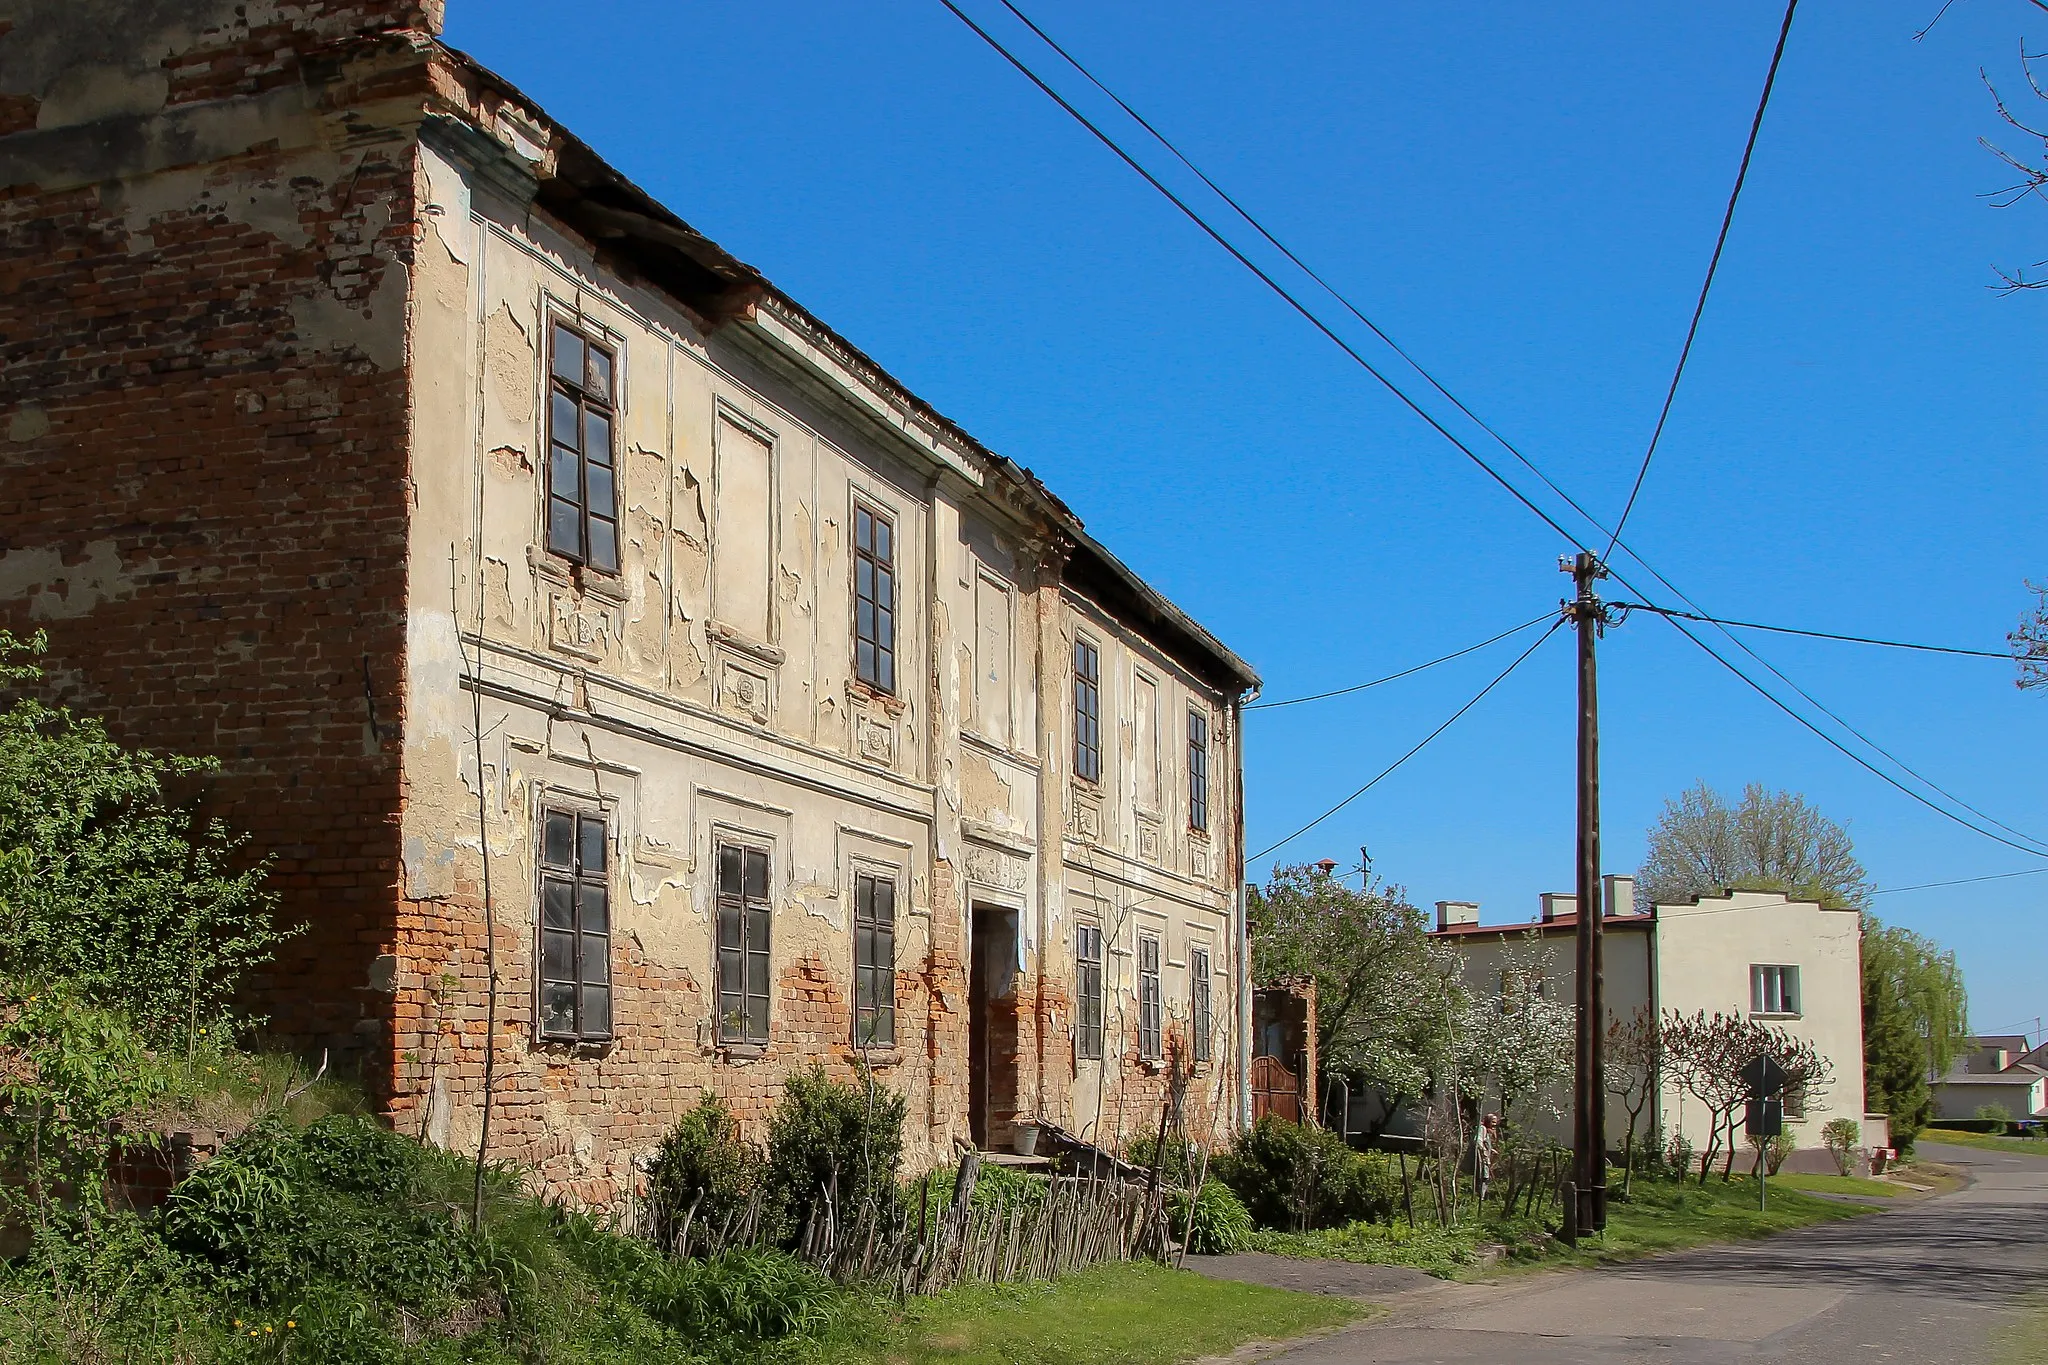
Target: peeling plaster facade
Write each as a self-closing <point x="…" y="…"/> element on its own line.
<point x="288" y="275"/>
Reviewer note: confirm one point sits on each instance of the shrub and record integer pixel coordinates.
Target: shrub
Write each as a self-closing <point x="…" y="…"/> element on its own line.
<point x="1220" y="1224"/>
<point x="112" y="883"/>
<point x="1840" y="1137"/>
<point x="837" y="1138"/>
<point x="704" y="1176"/>
<point x="1780" y="1147"/>
<point x="1294" y="1177"/>
<point x="1994" y="1117"/>
<point x="1678" y="1154"/>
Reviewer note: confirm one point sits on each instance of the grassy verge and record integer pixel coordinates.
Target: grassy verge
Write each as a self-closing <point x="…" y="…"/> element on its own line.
<point x="1662" y="1215"/>
<point x="1837" y="1184"/>
<point x="1984" y="1142"/>
<point x="2024" y="1340"/>
<point x="1132" y="1314"/>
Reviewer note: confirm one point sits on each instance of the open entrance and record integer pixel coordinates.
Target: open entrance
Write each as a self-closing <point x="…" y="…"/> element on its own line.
<point x="992" y="1054"/>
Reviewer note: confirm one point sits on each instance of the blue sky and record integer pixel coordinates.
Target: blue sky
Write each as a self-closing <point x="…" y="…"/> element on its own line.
<point x="1524" y="196"/>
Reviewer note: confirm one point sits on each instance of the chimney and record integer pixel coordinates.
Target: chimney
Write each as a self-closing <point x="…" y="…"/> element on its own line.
<point x="1558" y="905"/>
<point x="1327" y="866"/>
<point x="1452" y="913"/>
<point x="1621" y="894"/>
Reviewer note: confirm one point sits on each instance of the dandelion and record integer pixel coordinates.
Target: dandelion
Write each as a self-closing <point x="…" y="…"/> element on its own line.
<point x="266" y="1327"/>
<point x="238" y="1322"/>
<point x="289" y="1323"/>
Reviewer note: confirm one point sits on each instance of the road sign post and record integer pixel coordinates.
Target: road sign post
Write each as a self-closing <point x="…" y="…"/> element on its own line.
<point x="1763" y="1114"/>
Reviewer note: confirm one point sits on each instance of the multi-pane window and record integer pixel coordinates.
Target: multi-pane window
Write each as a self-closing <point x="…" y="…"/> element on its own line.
<point x="583" y="513"/>
<point x="874" y="599"/>
<point x="1199" y="1018"/>
<point x="1774" y="990"/>
<point x="1150" y="1044"/>
<point x="743" y="916"/>
<point x="1088" y="991"/>
<point x="1087" y="711"/>
<point x="575" y="928"/>
<point x="874" y="960"/>
<point x="1198" y="770"/>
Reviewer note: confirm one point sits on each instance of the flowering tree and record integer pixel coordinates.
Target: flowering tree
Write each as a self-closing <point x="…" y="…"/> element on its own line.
<point x="1705" y="1054"/>
<point x="1634" y="1052"/>
<point x="1520" y="1045"/>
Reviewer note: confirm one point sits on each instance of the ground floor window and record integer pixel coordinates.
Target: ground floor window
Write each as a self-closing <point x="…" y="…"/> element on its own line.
<point x="575" y="928"/>
<point x="1198" y="1002"/>
<point x="1150" y="1045"/>
<point x="874" y="960"/>
<point x="1088" y="992"/>
<point x="744" y="913"/>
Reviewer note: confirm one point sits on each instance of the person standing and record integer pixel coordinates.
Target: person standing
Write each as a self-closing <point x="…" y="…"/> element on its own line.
<point x="1485" y="1140"/>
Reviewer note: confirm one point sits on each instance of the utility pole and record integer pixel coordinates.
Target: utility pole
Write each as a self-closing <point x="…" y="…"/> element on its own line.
<point x="1589" y="1091"/>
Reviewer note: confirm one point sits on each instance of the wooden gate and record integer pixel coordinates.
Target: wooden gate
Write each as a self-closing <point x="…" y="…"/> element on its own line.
<point x="1275" y="1090"/>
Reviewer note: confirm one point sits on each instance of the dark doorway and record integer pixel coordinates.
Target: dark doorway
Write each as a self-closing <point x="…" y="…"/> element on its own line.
<point x="992" y="1027"/>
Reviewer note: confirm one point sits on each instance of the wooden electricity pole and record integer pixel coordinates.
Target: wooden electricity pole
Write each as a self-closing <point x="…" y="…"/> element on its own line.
<point x="1589" y="1090"/>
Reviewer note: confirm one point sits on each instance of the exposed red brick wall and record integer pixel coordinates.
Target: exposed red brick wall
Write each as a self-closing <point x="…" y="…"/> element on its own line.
<point x="204" y="500"/>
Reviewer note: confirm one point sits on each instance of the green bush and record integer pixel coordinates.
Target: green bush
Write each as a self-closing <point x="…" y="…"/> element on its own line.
<point x="113" y="884"/>
<point x="1994" y="1117"/>
<point x="1294" y="1177"/>
<point x="703" y="1174"/>
<point x="1840" y="1137"/>
<point x="1221" y="1224"/>
<point x="833" y="1137"/>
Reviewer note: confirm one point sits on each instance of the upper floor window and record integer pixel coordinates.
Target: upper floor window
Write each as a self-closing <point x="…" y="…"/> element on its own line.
<point x="874" y="960"/>
<point x="1088" y="991"/>
<point x="1198" y="770"/>
<point x="743" y="918"/>
<point x="1087" y="710"/>
<point x="1150" y="1004"/>
<point x="575" y="928"/>
<point x="1199" y="1017"/>
<point x="583" y="512"/>
<point x="874" y="599"/>
<point x="1774" y="990"/>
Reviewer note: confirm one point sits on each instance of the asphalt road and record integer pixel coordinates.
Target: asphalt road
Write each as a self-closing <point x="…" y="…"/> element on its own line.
<point x="1923" y="1285"/>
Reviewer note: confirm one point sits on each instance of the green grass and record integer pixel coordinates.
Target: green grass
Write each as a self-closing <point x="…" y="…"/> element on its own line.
<point x="1663" y="1215"/>
<point x="1668" y="1215"/>
<point x="1835" y="1184"/>
<point x="1984" y="1142"/>
<point x="1131" y="1314"/>
<point x="2024" y="1340"/>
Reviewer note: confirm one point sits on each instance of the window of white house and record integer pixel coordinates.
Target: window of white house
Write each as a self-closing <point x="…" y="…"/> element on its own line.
<point x="874" y="960"/>
<point x="1088" y="992"/>
<point x="583" y="511"/>
<point x="1150" y="1002"/>
<point x="575" y="928"/>
<point x="1774" y="990"/>
<point x="1087" y="710"/>
<point x="1199" y="1019"/>
<point x="744" y="913"/>
<point x="874" y="599"/>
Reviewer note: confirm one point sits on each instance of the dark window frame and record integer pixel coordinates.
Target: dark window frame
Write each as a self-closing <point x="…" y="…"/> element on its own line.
<point x="875" y="598"/>
<point x="1151" y="999"/>
<point x="1088" y="997"/>
<point x="742" y="934"/>
<point x="1198" y="770"/>
<point x="874" y="958"/>
<point x="566" y="944"/>
<point x="580" y="482"/>
<point x="1201" y="1006"/>
<point x="1087" y="709"/>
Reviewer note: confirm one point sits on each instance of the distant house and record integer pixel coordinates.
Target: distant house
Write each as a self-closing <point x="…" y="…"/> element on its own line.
<point x="1793" y="964"/>
<point x="1999" y="1070"/>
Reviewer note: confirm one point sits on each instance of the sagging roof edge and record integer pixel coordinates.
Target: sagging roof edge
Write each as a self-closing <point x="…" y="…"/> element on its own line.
<point x="721" y="289"/>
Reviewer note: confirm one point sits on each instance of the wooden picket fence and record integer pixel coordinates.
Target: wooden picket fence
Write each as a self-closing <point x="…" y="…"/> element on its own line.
<point x="937" y="1243"/>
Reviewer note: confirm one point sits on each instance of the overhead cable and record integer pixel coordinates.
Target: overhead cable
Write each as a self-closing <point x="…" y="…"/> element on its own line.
<point x="1960" y="881"/>
<point x="1288" y="297"/>
<point x="2000" y="654"/>
<point x="1406" y="672"/>
<point x="1615" y="540"/>
<point x="1498" y="679"/>
<point x="1713" y="265"/>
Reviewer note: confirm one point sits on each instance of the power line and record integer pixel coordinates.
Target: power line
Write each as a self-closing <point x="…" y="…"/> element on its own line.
<point x="1713" y="265"/>
<point x="2004" y="655"/>
<point x="1960" y="881"/>
<point x="1854" y="757"/>
<point x="1499" y="678"/>
<point x="1551" y="484"/>
<point x="1406" y="672"/>
<point x="1296" y="304"/>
